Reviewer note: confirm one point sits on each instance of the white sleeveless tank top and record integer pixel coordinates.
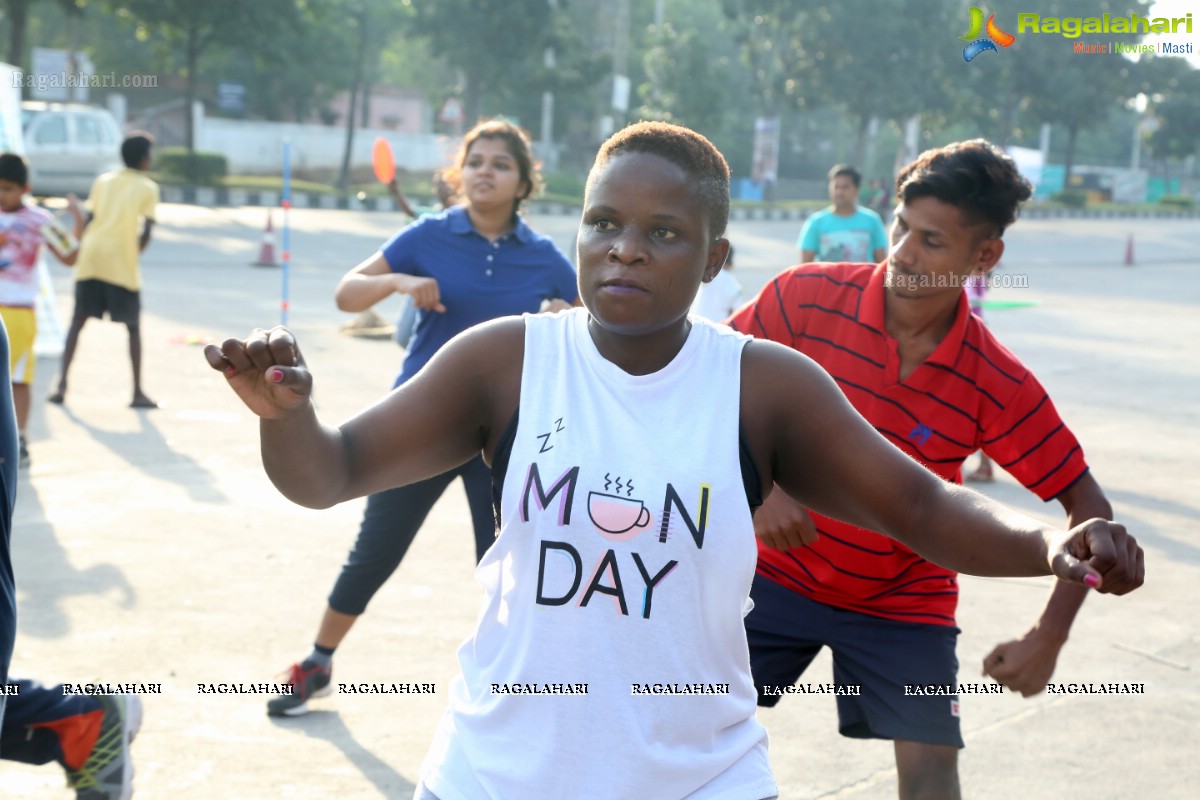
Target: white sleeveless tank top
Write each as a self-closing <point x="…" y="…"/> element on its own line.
<point x="610" y="659"/>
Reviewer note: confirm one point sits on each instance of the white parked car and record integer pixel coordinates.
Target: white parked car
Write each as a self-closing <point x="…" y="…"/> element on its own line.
<point x="68" y="145"/>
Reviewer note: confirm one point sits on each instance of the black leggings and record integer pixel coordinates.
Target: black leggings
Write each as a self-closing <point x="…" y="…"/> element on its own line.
<point x="390" y="523"/>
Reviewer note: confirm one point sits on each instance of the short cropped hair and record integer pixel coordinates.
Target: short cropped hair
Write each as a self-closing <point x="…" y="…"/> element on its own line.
<point x="975" y="176"/>
<point x="688" y="150"/>
<point x="850" y="172"/>
<point x="14" y="168"/>
<point x="519" y="147"/>
<point x="136" y="148"/>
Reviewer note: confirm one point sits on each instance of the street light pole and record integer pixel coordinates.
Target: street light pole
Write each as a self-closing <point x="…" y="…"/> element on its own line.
<point x="549" y="150"/>
<point x="621" y="64"/>
<point x="656" y="91"/>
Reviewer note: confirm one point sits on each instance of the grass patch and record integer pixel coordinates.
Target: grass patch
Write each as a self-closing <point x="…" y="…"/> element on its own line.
<point x="253" y="183"/>
<point x="1122" y="208"/>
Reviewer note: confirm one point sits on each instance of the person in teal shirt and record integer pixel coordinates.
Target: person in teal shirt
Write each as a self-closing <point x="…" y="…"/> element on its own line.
<point x="844" y="232"/>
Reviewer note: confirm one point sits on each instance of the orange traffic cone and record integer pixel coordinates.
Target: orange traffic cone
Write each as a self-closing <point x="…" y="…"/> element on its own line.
<point x="266" y="253"/>
<point x="1129" y="251"/>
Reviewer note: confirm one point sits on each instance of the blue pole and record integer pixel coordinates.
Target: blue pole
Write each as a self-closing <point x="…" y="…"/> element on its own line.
<point x="287" y="230"/>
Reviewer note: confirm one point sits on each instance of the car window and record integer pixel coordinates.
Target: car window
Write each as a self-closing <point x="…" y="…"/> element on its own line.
<point x="108" y="132"/>
<point x="88" y="129"/>
<point x="52" y="130"/>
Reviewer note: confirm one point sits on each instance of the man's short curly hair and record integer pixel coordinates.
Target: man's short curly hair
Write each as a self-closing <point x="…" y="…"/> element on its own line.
<point x="977" y="177"/>
<point x="685" y="148"/>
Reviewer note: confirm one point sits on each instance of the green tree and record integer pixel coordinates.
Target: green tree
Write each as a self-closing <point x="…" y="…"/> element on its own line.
<point x="371" y="23"/>
<point x="878" y="59"/>
<point x="987" y="100"/>
<point x="685" y="63"/>
<point x="1074" y="90"/>
<point x="1173" y="89"/>
<point x="283" y="78"/>
<point x="869" y="58"/>
<point x="773" y="48"/>
<point x="196" y="28"/>
<point x="490" y="42"/>
<point x="1175" y="110"/>
<point x="519" y="95"/>
<point x="109" y="39"/>
<point x="16" y="18"/>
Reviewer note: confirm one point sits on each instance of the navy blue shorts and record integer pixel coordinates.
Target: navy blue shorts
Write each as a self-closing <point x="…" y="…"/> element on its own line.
<point x="880" y="659"/>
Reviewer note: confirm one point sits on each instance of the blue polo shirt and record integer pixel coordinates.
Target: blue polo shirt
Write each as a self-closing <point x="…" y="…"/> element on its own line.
<point x="478" y="280"/>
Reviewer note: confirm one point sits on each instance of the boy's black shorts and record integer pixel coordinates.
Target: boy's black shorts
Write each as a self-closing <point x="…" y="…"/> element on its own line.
<point x="95" y="298"/>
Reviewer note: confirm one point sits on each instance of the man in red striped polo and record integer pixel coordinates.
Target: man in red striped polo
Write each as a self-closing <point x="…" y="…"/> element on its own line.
<point x="900" y="340"/>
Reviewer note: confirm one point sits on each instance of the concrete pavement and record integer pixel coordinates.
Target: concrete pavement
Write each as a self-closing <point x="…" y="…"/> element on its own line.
<point x="149" y="546"/>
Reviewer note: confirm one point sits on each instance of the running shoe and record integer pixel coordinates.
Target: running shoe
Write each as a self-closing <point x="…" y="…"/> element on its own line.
<point x="108" y="772"/>
<point x="308" y="679"/>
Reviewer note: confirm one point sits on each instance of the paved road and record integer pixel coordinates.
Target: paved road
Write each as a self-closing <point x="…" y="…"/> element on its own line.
<point x="150" y="547"/>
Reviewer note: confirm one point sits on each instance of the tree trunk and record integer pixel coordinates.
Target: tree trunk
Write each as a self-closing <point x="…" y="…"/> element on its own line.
<point x="472" y="97"/>
<point x="73" y="95"/>
<point x="189" y="127"/>
<point x="1072" y="132"/>
<point x="364" y="114"/>
<point x="860" y="141"/>
<point x="352" y="115"/>
<point x="1008" y="118"/>
<point x="1188" y="168"/>
<point x="18" y="19"/>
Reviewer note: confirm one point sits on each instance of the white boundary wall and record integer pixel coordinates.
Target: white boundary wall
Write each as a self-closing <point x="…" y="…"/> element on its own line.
<point x="257" y="147"/>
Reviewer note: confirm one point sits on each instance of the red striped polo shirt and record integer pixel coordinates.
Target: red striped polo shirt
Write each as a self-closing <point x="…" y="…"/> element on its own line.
<point x="971" y="393"/>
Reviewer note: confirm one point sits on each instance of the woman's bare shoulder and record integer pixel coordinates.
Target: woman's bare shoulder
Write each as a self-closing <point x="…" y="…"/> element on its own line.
<point x="770" y="368"/>
<point x="782" y="391"/>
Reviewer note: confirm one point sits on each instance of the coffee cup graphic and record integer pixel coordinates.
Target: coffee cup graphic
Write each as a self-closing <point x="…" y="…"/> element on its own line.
<point x="617" y="518"/>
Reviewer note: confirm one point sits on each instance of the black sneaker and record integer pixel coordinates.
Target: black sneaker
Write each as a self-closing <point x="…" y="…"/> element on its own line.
<point x="308" y="679"/>
<point x="108" y="772"/>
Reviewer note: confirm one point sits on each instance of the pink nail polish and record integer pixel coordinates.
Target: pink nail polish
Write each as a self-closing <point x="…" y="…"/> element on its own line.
<point x="1091" y="580"/>
<point x="276" y="376"/>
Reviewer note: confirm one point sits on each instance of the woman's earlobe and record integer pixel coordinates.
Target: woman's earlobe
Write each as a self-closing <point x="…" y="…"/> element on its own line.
<point x="717" y="260"/>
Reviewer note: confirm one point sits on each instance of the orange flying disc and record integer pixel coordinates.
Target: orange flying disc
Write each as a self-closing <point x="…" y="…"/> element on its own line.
<point x="383" y="161"/>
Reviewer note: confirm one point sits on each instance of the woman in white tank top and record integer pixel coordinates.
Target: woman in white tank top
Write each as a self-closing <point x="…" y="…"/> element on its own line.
<point x="609" y="659"/>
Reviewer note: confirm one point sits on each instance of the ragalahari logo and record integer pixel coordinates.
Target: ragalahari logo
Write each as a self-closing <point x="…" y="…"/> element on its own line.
<point x="994" y="37"/>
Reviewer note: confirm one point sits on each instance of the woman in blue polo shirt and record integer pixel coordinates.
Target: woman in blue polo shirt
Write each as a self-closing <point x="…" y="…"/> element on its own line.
<point x="472" y="263"/>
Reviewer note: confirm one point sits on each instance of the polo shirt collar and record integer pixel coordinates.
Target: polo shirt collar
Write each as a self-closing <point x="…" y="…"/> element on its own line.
<point x="870" y="303"/>
<point x="522" y="231"/>
<point x="458" y="221"/>
<point x="871" y="312"/>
